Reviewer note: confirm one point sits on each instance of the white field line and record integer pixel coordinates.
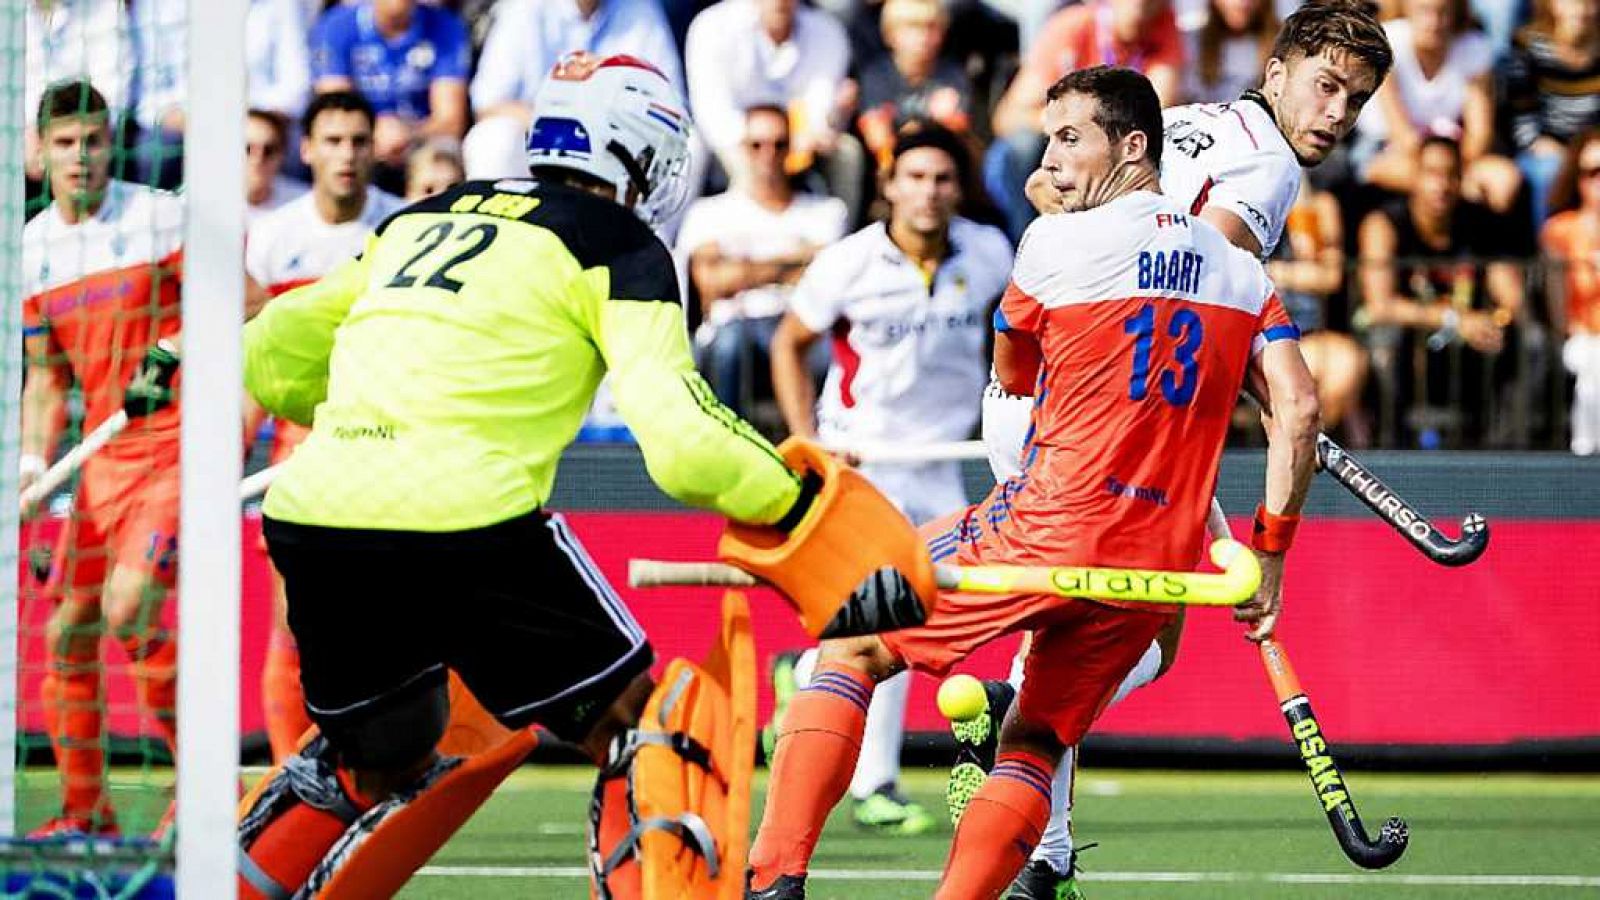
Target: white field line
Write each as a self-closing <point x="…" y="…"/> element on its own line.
<point x="1319" y="878"/>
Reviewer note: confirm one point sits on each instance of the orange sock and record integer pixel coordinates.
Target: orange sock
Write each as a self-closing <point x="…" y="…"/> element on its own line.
<point x="1000" y="828"/>
<point x="815" y="758"/>
<point x="74" y="708"/>
<point x="155" y="679"/>
<point x="283" y="700"/>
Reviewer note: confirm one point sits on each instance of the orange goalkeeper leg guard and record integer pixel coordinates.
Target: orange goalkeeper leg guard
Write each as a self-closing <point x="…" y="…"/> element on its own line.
<point x="304" y="832"/>
<point x="471" y="729"/>
<point x="291" y="818"/>
<point x="283" y="699"/>
<point x="670" y="817"/>
<point x="379" y="853"/>
<point x="74" y="709"/>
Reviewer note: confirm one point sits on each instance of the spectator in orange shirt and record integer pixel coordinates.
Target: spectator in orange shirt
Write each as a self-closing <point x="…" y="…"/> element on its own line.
<point x="1571" y="242"/>
<point x="1138" y="34"/>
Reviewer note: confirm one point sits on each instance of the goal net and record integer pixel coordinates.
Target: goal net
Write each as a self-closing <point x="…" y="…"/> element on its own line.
<point x="108" y="235"/>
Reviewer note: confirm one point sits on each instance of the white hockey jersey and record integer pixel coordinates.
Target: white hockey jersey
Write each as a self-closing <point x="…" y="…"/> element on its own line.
<point x="1233" y="156"/>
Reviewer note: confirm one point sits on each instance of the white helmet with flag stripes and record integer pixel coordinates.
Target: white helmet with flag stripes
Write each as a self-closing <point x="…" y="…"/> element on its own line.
<point x="617" y="119"/>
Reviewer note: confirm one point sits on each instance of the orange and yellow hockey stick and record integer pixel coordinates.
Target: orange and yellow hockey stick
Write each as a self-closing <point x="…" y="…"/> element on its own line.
<point x="1235" y="584"/>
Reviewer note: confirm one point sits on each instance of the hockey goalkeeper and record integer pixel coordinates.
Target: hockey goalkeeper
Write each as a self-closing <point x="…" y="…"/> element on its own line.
<point x="448" y="367"/>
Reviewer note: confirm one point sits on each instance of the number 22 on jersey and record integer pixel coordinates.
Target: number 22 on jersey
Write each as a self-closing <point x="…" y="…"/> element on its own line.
<point x="469" y="243"/>
<point x="1184" y="332"/>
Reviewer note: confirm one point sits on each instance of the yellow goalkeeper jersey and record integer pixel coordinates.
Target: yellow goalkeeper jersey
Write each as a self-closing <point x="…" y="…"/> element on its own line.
<point x="444" y="371"/>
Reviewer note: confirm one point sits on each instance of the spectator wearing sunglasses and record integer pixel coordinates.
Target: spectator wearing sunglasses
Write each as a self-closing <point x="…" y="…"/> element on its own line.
<point x="745" y="249"/>
<point x="266" y="135"/>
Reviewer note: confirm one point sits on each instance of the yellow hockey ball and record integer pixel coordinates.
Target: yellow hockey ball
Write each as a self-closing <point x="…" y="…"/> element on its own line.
<point x="961" y="698"/>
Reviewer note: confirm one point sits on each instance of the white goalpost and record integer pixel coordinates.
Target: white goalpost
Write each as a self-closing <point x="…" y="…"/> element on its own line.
<point x="205" y="773"/>
<point x="12" y="124"/>
<point x="209" y="564"/>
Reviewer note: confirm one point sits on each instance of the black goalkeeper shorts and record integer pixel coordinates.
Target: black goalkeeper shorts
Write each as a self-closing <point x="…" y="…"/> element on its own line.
<point x="518" y="609"/>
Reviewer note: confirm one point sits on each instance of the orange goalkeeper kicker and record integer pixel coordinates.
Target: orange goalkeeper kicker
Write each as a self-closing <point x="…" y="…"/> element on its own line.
<point x="1326" y="779"/>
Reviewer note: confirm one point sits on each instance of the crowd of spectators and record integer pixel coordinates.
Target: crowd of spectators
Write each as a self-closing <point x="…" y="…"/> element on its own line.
<point x="1443" y="264"/>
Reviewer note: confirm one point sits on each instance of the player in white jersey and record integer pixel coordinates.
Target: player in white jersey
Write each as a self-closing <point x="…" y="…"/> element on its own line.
<point x="907" y="303"/>
<point x="1238" y="166"/>
<point x="293" y="245"/>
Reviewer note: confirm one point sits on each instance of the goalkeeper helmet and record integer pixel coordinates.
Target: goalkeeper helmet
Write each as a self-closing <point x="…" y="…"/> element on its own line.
<point x="616" y="119"/>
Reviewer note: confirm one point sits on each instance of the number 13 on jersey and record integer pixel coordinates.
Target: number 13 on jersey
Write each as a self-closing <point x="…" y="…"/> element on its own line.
<point x="1184" y="332"/>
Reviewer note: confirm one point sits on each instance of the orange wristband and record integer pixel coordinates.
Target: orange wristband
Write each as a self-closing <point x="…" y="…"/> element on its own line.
<point x="1273" y="534"/>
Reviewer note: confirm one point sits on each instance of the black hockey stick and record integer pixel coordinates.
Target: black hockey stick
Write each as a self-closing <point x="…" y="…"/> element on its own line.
<point x="1326" y="779"/>
<point x="1359" y="480"/>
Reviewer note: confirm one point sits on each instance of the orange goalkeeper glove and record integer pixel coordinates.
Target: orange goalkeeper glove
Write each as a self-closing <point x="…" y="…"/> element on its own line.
<point x="844" y="556"/>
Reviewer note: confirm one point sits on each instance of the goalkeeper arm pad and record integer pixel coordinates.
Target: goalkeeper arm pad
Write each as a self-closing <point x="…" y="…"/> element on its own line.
<point x="287" y="346"/>
<point x="697" y="450"/>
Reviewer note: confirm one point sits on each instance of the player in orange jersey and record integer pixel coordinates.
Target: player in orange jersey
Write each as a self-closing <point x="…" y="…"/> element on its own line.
<point x="102" y="266"/>
<point x="1139" y="340"/>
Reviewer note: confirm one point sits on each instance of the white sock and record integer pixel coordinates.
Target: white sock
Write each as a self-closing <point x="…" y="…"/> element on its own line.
<point x="1055" y="847"/>
<point x="804" y="666"/>
<point x="1581" y="354"/>
<point x="1014" y="677"/>
<point x="1144" y="672"/>
<point x="879" y="762"/>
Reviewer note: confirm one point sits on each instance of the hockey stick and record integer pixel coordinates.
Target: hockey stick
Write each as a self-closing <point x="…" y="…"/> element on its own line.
<point x="1326" y="778"/>
<point x="257" y="484"/>
<point x="68" y="465"/>
<point x="889" y="452"/>
<point x="1234" y="585"/>
<point x="39" y="558"/>
<point x="1416" y="528"/>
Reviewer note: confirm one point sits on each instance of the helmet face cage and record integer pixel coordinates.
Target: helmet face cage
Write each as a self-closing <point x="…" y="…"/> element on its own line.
<point x="618" y="120"/>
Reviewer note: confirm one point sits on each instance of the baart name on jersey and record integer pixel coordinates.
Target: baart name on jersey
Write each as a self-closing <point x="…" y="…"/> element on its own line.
<point x="1174" y="271"/>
